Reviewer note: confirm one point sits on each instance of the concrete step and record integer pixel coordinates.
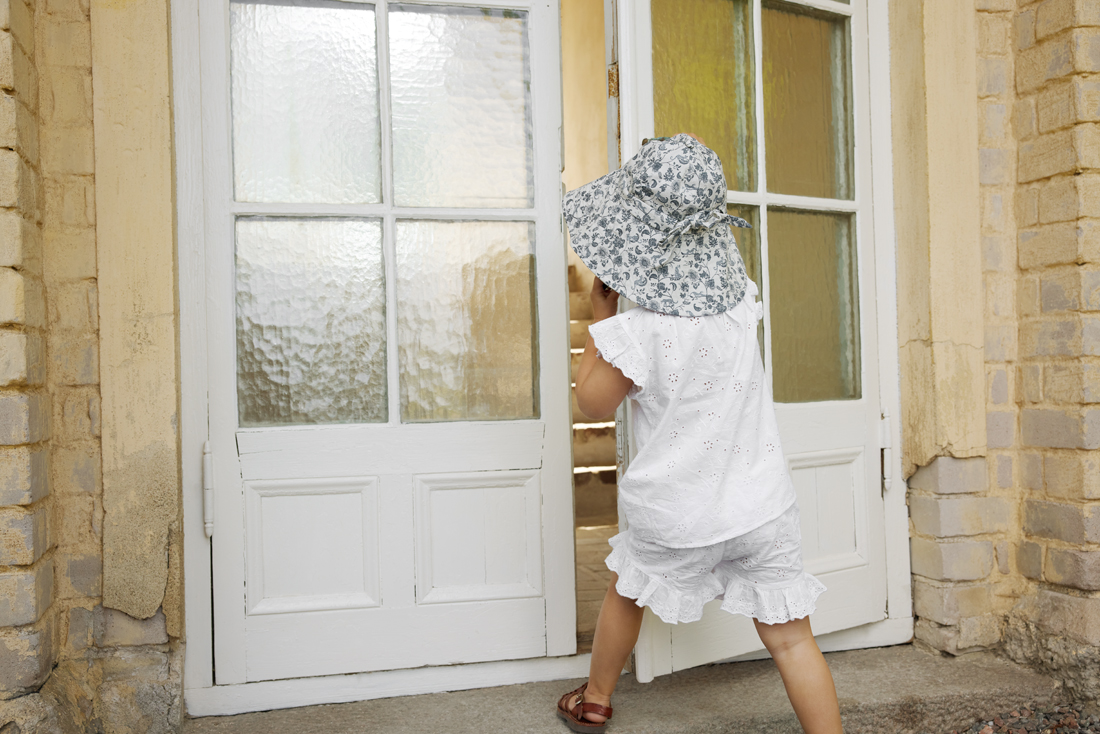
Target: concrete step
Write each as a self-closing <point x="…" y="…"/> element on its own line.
<point x="893" y="690"/>
<point x="594" y="446"/>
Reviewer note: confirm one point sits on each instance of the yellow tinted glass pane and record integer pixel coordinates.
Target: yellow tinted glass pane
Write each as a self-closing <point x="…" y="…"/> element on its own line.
<point x="703" y="79"/>
<point x="814" y="307"/>
<point x="748" y="243"/>
<point x="807" y="108"/>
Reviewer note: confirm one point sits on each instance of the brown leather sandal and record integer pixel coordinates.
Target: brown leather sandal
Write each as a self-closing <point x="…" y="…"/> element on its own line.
<point x="572" y="708"/>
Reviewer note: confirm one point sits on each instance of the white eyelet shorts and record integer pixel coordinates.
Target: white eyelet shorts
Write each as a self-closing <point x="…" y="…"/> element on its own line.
<point x="758" y="574"/>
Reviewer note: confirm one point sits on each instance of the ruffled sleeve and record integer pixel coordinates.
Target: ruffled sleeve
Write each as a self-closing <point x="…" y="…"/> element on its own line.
<point x="616" y="347"/>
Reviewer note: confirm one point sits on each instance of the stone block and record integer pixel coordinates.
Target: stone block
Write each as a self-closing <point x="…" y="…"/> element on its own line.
<point x="594" y="446"/>
<point x="1000" y="297"/>
<point x="947" y="603"/>
<point x="1000" y="342"/>
<point x="25" y="594"/>
<point x="69" y="150"/>
<point x="80" y="574"/>
<point x="67" y="43"/>
<point x="24" y="535"/>
<point x="937" y="636"/>
<point x="27" y="655"/>
<point x="76" y="414"/>
<point x="1029" y="384"/>
<point x="998" y="254"/>
<point x="75" y="358"/>
<point x="1032" y="471"/>
<point x="994" y="34"/>
<point x="79" y="521"/>
<point x="138" y="693"/>
<point x="1002" y="551"/>
<point x="1075" y="568"/>
<point x="1072" y="475"/>
<point x="1004" y="472"/>
<point x="1050" y="59"/>
<point x="1025" y="118"/>
<point x="1000" y="429"/>
<point x="996" y="381"/>
<point x="73" y="306"/>
<point x="1024" y="29"/>
<point x="1061" y="521"/>
<point x="1049" y="244"/>
<point x="1028" y="303"/>
<point x="949" y="517"/>
<point x="1053" y="428"/>
<point x="24" y="418"/>
<point x="994" y="166"/>
<point x="22" y="358"/>
<point x="1062" y="614"/>
<point x="1087" y="99"/>
<point x="1047" y="155"/>
<point x="1058" y="200"/>
<point x="994" y="122"/>
<point x="1086" y="49"/>
<point x="1056" y="337"/>
<point x="995" y="5"/>
<point x="118" y="629"/>
<point x="993" y="76"/>
<point x="1086" y="142"/>
<point x="1029" y="559"/>
<point x="948" y="475"/>
<point x="1053" y="16"/>
<point x="81" y="629"/>
<point x="951" y="560"/>
<point x="13" y="252"/>
<point x="78" y="470"/>
<point x="70" y="254"/>
<point x="24" y="475"/>
<point x="995" y="216"/>
<point x="979" y="632"/>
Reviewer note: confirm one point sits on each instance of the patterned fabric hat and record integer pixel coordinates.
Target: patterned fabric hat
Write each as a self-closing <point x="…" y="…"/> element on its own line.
<point x="657" y="231"/>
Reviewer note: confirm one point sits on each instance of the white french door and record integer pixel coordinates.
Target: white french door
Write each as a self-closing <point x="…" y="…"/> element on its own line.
<point x="780" y="90"/>
<point x="387" y="330"/>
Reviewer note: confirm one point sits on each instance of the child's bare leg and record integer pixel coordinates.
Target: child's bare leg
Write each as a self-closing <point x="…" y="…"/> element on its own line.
<point x="805" y="674"/>
<point x="616" y="634"/>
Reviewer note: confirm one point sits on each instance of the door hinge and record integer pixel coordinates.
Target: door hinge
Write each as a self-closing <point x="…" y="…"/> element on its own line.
<point x="613" y="80"/>
<point x="208" y="489"/>
<point x="885" y="438"/>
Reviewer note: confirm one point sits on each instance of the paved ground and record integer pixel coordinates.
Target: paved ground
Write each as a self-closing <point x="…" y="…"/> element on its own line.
<point x="894" y="690"/>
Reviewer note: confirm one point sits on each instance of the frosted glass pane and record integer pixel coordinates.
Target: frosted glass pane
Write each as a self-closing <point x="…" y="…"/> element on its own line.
<point x="807" y="104"/>
<point x="466" y="320"/>
<point x="748" y="243"/>
<point x="461" y="98"/>
<point x="305" y="102"/>
<point x="813" y="301"/>
<point x="703" y="79"/>
<point x="311" y="321"/>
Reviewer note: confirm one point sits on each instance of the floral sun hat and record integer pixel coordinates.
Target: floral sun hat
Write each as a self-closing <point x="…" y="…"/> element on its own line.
<point x="657" y="231"/>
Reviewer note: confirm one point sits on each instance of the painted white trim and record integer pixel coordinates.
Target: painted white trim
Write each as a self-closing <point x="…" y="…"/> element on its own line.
<point x="899" y="590"/>
<point x="283" y="694"/>
<point x="199" y="667"/>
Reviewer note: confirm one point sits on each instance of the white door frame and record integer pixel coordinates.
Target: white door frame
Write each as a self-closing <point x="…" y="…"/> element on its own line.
<point x="201" y="696"/>
<point x="654" y="657"/>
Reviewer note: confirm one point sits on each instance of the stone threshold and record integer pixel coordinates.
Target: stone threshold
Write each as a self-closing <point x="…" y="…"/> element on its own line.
<point x="892" y="690"/>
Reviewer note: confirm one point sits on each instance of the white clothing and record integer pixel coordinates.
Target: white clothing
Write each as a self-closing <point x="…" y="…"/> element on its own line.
<point x="709" y="465"/>
<point x="758" y="574"/>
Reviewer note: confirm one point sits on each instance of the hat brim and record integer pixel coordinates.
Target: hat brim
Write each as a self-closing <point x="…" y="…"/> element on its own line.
<point x="700" y="273"/>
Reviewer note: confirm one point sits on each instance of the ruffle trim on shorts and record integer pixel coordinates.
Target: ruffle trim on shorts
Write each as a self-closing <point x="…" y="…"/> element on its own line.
<point x="769" y="605"/>
<point x="774" y="605"/>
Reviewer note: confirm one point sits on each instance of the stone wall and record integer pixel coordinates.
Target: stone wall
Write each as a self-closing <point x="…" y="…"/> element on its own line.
<point x="67" y="662"/>
<point x="1057" y="85"/>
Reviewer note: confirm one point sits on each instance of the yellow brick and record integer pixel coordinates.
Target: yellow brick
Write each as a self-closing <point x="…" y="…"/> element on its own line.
<point x="1027" y="206"/>
<point x="1086" y="140"/>
<point x="1047" y="155"/>
<point x="1086" y="49"/>
<point x="1058" y="200"/>
<point x="1025" y="119"/>
<point x="994" y="32"/>
<point x="1051" y="59"/>
<point x="12" y="251"/>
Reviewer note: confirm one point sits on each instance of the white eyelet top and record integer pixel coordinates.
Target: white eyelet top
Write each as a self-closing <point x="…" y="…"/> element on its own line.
<point x="708" y="466"/>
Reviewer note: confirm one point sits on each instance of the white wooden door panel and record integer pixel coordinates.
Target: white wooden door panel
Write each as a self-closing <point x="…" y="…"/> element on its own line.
<point x="392" y="491"/>
<point x="832" y="446"/>
<point x="353" y="641"/>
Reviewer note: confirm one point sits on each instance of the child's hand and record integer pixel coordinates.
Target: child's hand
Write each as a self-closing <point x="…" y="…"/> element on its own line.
<point x="605" y="302"/>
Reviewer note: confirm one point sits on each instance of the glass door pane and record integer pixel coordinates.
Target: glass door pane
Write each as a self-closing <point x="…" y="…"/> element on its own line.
<point x="703" y="79"/>
<point x="807" y="103"/>
<point x="466" y="320"/>
<point x="814" y="306"/>
<point x="461" y="98"/>
<point x="305" y="102"/>
<point x="311" y="321"/>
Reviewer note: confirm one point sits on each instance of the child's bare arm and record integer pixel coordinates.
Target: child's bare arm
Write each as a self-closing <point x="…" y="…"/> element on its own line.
<point x="600" y="387"/>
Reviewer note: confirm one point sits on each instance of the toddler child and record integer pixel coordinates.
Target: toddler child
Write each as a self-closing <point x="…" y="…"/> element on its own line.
<point x="710" y="509"/>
